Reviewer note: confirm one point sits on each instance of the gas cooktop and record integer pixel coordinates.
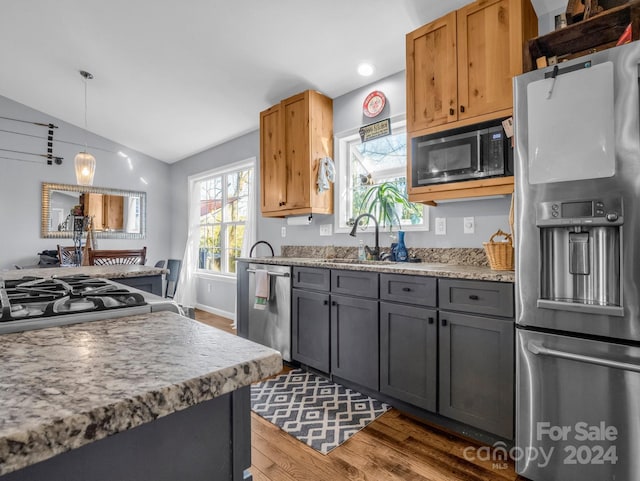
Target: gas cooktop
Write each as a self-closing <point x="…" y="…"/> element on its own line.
<point x="31" y="302"/>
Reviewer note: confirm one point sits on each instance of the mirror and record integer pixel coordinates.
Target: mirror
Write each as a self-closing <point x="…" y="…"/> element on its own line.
<point x="116" y="214"/>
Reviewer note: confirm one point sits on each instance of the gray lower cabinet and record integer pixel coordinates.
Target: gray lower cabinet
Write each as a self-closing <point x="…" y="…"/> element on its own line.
<point x="477" y="371"/>
<point x="205" y="442"/>
<point x="310" y="328"/>
<point x="355" y="340"/>
<point x="152" y="284"/>
<point x="409" y="354"/>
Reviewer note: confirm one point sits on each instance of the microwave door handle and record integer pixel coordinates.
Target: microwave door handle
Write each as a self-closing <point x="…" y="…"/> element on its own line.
<point x="543" y="351"/>
<point x="479" y="152"/>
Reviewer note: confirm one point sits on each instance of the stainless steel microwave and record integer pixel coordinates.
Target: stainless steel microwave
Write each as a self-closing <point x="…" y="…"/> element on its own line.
<point x="468" y="153"/>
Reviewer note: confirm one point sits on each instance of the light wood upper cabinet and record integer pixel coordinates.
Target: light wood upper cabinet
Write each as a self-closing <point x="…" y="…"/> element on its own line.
<point x="273" y="171"/>
<point x="491" y="37"/>
<point x="432" y="74"/>
<point x="106" y="211"/>
<point x="460" y="67"/>
<point x="460" y="70"/>
<point x="294" y="136"/>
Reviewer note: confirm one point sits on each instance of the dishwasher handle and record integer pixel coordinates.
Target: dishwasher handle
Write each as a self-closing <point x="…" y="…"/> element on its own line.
<point x="541" y="350"/>
<point x="269" y="273"/>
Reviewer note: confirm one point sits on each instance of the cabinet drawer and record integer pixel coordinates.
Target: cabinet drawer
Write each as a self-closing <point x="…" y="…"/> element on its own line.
<point x="477" y="297"/>
<point x="311" y="278"/>
<point x="417" y="290"/>
<point x="355" y="283"/>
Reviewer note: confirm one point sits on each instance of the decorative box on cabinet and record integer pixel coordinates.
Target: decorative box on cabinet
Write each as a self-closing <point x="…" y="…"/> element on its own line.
<point x="295" y="135"/>
<point x="597" y="33"/>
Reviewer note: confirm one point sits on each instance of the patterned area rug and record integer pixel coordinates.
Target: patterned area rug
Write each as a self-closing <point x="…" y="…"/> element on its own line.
<point x="319" y="413"/>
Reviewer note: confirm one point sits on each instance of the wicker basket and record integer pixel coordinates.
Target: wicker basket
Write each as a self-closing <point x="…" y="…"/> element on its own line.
<point x="500" y="254"/>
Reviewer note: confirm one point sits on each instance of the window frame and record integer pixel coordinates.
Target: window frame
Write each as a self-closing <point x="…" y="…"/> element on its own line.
<point x="342" y="191"/>
<point x="231" y="168"/>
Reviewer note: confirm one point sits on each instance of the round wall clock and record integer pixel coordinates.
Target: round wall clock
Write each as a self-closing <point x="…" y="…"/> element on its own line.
<point x="374" y="103"/>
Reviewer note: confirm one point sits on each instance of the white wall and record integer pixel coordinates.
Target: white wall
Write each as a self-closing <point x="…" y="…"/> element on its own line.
<point x="20" y="186"/>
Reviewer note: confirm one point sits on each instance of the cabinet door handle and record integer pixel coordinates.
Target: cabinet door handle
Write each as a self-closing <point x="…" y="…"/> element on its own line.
<point x="444" y="323"/>
<point x="325" y="302"/>
<point x="333" y="303"/>
<point x="406" y="289"/>
<point x="431" y="320"/>
<point x="473" y="297"/>
<point x="452" y="111"/>
<point x="462" y="108"/>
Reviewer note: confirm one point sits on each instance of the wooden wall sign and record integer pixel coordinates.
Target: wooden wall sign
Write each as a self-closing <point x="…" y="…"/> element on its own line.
<point x="375" y="130"/>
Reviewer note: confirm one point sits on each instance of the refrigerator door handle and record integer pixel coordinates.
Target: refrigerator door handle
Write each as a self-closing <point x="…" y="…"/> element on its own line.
<point x="539" y="349"/>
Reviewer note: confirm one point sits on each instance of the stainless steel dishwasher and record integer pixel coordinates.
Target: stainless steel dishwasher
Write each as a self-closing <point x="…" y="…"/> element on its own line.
<point x="272" y="326"/>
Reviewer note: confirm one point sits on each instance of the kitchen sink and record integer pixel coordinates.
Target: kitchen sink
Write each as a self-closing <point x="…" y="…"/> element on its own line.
<point x="356" y="261"/>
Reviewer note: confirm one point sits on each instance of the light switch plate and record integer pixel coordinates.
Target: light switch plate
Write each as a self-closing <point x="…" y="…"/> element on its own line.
<point x="469" y="224"/>
<point x="441" y="226"/>
<point x="326" y="229"/>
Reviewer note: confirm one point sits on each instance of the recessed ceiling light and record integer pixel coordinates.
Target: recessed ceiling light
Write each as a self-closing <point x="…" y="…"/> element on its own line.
<point x="365" y="69"/>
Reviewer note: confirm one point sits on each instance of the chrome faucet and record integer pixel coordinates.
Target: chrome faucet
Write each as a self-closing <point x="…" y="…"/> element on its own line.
<point x="375" y="253"/>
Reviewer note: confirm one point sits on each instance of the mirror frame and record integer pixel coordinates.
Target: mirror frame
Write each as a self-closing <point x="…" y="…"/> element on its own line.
<point x="81" y="189"/>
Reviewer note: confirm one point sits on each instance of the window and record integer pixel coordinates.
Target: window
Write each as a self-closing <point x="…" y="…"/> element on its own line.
<point x="223" y="201"/>
<point x="372" y="171"/>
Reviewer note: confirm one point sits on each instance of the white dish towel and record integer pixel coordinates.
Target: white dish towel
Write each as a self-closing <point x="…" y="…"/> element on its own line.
<point x="326" y="174"/>
<point x="262" y="289"/>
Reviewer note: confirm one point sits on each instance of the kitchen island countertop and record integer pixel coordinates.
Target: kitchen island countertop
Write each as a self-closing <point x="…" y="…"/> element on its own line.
<point x="455" y="271"/>
<point x="65" y="387"/>
<point x="107" y="272"/>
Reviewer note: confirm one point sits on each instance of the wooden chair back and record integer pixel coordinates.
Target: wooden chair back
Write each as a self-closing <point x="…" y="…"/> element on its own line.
<point x="113" y="257"/>
<point x="67" y="255"/>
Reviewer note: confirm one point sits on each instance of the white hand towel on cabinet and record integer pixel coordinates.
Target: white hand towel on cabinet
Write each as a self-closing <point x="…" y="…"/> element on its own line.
<point x="262" y="289"/>
<point x="326" y="174"/>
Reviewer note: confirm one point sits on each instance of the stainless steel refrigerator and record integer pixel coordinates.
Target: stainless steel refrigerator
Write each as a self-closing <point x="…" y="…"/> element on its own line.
<point x="577" y="236"/>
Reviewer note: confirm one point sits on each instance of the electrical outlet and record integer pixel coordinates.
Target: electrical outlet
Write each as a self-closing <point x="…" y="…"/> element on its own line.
<point x="441" y="226"/>
<point x="469" y="224"/>
<point x="326" y="229"/>
<point x="283" y="231"/>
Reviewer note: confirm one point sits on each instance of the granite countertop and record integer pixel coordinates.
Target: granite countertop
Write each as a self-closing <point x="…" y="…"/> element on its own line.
<point x="108" y="272"/>
<point x="64" y="387"/>
<point x="455" y="271"/>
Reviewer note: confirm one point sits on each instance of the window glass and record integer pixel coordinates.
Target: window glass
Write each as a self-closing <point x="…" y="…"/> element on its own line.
<point x="375" y="172"/>
<point x="224" y="202"/>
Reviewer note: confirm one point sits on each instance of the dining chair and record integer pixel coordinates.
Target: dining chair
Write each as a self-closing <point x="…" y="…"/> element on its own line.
<point x="115" y="257"/>
<point x="67" y="255"/>
<point x="174" y="266"/>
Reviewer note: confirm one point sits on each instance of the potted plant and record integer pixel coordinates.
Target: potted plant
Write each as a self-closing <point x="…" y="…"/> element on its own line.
<point x="386" y="203"/>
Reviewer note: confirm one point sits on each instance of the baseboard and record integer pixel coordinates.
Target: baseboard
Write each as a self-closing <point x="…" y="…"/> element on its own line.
<point x="218" y="312"/>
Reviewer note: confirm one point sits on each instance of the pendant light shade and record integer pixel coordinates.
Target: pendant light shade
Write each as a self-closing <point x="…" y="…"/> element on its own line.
<point x="85" y="168"/>
<point x="85" y="162"/>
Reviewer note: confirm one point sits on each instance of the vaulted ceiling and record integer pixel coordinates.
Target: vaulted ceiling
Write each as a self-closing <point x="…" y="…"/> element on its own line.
<point x="173" y="78"/>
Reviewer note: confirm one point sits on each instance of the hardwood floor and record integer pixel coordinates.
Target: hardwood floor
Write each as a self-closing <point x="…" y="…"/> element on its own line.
<point x="396" y="447"/>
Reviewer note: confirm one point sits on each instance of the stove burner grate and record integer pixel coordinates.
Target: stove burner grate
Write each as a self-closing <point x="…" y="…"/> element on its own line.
<point x="30" y="297"/>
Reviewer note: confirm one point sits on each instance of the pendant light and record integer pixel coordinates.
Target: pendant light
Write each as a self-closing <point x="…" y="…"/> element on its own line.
<point x="85" y="162"/>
